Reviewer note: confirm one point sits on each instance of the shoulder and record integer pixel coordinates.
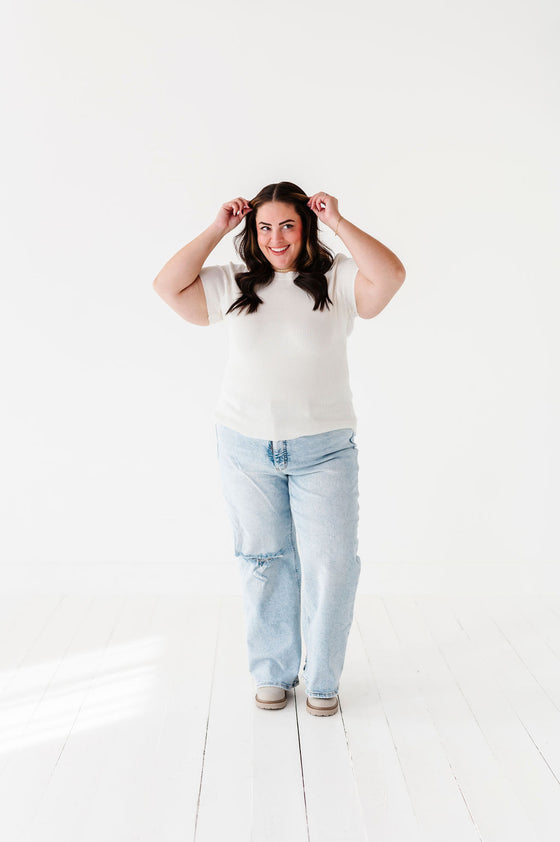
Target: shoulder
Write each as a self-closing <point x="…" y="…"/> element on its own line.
<point x="219" y="279"/>
<point x="225" y="270"/>
<point x="343" y="273"/>
<point x="343" y="263"/>
<point x="220" y="287"/>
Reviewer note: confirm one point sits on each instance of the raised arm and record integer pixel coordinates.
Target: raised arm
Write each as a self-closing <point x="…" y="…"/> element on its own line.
<point x="380" y="272"/>
<point x="182" y="269"/>
<point x="178" y="283"/>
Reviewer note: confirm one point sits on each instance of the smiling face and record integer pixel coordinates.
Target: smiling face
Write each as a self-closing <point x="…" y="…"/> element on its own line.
<point x="279" y="230"/>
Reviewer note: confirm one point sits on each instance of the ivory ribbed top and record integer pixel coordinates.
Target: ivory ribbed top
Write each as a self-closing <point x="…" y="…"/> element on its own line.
<point x="287" y="370"/>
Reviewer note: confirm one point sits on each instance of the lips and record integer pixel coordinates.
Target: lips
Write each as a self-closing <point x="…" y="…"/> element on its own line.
<point x="278" y="251"/>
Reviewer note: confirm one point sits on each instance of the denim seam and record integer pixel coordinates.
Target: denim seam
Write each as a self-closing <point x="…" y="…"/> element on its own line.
<point x="284" y="686"/>
<point x="321" y="695"/>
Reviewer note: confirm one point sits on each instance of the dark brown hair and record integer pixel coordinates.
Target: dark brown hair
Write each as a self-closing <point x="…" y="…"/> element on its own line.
<point x="311" y="264"/>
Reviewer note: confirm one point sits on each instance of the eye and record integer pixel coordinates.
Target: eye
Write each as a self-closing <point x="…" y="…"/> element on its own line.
<point x="287" y="225"/>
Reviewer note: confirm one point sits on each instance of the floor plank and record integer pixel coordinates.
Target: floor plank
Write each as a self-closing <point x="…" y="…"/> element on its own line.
<point x="22" y="629"/>
<point x="73" y="653"/>
<point x="446" y="670"/>
<point x="334" y="810"/>
<point x="226" y="793"/>
<point x="279" y="809"/>
<point x="436" y="797"/>
<point x="149" y="784"/>
<point x="509" y="703"/>
<point x="382" y="788"/>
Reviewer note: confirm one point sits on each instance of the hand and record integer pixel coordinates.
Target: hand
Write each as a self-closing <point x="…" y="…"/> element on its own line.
<point x="325" y="208"/>
<point x="231" y="213"/>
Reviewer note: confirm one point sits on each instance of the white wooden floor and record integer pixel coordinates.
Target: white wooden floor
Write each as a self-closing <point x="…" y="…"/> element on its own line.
<point x="133" y="718"/>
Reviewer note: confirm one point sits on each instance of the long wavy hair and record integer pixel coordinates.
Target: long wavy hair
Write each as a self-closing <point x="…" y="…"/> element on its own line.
<point x="312" y="262"/>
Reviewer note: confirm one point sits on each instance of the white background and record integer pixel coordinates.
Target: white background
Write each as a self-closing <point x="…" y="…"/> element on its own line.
<point x="127" y="125"/>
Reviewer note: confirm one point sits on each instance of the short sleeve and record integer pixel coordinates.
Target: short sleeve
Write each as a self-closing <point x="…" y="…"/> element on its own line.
<point x="220" y="289"/>
<point x="346" y="270"/>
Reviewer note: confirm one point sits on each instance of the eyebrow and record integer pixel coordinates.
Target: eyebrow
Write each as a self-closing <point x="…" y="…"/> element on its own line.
<point x="280" y="223"/>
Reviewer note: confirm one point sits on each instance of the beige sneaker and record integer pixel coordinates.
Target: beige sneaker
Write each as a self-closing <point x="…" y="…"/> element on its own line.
<point x="322" y="707"/>
<point x="271" y="698"/>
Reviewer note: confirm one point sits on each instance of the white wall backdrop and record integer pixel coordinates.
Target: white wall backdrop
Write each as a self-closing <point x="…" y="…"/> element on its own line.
<point x="127" y="125"/>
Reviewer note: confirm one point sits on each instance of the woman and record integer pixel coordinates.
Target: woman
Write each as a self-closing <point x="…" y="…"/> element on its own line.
<point x="285" y="423"/>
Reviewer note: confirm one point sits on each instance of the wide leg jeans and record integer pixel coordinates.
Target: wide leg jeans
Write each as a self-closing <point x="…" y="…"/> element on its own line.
<point x="293" y="507"/>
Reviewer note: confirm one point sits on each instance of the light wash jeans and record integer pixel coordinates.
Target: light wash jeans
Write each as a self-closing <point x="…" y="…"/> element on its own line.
<point x="293" y="505"/>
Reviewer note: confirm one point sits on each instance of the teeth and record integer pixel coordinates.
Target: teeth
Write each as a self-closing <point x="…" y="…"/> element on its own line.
<point x="278" y="251"/>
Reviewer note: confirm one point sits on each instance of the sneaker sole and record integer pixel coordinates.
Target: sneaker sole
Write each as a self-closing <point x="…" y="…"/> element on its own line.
<point x="317" y="710"/>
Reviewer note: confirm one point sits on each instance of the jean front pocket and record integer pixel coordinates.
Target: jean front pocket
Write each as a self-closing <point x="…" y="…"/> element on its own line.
<point x="353" y="440"/>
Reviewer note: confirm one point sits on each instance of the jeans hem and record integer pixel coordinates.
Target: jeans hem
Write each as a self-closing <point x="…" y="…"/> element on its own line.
<point x="321" y="695"/>
<point x="279" y="684"/>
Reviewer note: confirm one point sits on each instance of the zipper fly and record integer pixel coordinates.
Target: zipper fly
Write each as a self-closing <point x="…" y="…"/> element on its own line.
<point x="278" y="453"/>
